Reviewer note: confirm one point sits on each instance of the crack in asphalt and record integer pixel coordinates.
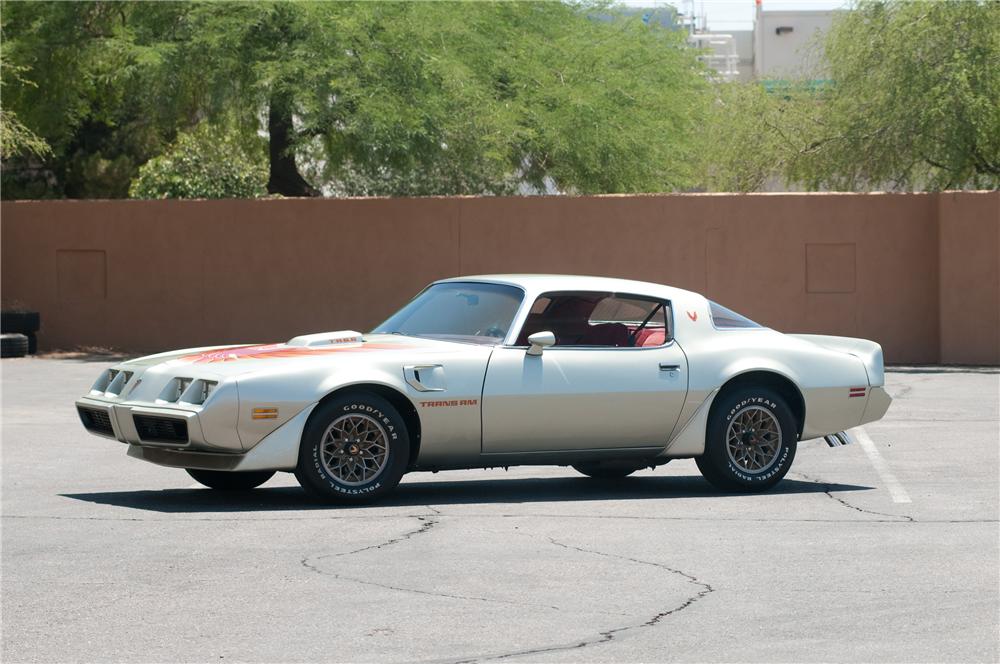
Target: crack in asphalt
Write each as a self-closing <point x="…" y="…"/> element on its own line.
<point x="309" y="562"/>
<point x="896" y="518"/>
<point x="426" y="524"/>
<point x="903" y="391"/>
<point x="609" y="635"/>
<point x="432" y="593"/>
<point x="706" y="588"/>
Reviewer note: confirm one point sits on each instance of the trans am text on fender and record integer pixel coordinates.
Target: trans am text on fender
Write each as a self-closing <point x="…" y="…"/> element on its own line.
<point x="605" y="375"/>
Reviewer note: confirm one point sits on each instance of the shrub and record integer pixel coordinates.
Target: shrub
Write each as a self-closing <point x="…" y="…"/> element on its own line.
<point x="206" y="162"/>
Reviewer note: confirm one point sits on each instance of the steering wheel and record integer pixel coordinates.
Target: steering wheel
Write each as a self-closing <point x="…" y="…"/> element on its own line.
<point x="492" y="331"/>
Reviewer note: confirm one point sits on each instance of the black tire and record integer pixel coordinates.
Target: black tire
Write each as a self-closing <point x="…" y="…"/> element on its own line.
<point x="230" y="481"/>
<point x="13" y="345"/>
<point x="32" y="343"/>
<point x="320" y="481"/>
<point x="717" y="464"/>
<point x="19" y="321"/>
<point x="603" y="472"/>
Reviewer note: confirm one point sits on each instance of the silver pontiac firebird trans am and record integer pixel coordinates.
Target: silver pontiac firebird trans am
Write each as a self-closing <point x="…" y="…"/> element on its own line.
<point x="605" y="375"/>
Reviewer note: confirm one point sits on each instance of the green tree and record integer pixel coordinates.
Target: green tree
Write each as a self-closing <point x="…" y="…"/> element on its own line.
<point x="78" y="87"/>
<point x="915" y="101"/>
<point x="368" y="98"/>
<point x="15" y="138"/>
<point x="912" y="103"/>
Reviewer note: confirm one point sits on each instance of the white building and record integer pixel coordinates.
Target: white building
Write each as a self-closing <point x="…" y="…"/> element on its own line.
<point x="786" y="44"/>
<point x="783" y="44"/>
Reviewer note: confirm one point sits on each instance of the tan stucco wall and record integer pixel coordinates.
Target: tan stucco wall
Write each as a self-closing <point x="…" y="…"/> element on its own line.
<point x="969" y="246"/>
<point x="918" y="273"/>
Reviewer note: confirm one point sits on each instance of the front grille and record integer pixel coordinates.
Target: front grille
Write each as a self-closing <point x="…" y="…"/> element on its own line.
<point x="96" y="420"/>
<point x="161" y="429"/>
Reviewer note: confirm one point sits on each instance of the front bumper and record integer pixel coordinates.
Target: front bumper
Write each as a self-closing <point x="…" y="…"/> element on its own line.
<point x="278" y="450"/>
<point x="168" y="428"/>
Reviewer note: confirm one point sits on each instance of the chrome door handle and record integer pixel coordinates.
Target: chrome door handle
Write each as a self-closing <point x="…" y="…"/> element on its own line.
<point x="669" y="367"/>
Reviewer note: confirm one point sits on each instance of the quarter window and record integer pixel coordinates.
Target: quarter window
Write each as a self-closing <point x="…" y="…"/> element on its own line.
<point x="724" y="318"/>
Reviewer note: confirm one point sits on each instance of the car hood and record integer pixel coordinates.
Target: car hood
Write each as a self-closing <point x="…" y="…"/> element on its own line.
<point x="247" y="358"/>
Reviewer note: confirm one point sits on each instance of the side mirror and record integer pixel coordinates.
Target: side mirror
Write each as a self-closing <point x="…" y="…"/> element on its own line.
<point x="539" y="341"/>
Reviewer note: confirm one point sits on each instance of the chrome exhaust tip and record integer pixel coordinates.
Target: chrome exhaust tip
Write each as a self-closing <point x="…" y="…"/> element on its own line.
<point x="838" y="439"/>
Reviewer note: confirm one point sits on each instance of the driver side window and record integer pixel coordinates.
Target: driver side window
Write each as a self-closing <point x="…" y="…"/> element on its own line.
<point x="595" y="319"/>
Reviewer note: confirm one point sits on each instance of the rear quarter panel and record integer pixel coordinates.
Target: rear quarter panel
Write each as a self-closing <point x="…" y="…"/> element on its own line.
<point x="715" y="356"/>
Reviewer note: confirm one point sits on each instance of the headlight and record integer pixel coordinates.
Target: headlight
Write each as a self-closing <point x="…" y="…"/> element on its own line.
<point x="205" y="388"/>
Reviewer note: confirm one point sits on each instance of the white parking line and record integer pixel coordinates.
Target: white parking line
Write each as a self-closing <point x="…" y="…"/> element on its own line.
<point x="894" y="486"/>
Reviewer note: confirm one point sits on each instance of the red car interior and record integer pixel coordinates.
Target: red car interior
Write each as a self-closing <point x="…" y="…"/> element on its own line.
<point x="568" y="317"/>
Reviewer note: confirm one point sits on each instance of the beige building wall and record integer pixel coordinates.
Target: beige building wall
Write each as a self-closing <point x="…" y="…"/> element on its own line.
<point x="919" y="273"/>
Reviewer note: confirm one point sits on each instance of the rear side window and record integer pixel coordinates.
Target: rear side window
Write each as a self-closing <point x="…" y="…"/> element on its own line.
<point x="724" y="318"/>
<point x="631" y="311"/>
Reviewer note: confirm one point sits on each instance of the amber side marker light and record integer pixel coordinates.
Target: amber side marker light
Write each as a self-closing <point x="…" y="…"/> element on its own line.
<point x="264" y="413"/>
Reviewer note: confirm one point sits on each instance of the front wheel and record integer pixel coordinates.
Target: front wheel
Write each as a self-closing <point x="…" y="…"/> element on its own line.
<point x="355" y="449"/>
<point x="750" y="440"/>
<point x="230" y="481"/>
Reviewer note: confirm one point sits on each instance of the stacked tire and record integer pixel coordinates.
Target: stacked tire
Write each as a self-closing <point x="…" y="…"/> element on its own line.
<point x="18" y="333"/>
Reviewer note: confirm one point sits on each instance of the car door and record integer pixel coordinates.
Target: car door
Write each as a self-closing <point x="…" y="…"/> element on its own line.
<point x="590" y="392"/>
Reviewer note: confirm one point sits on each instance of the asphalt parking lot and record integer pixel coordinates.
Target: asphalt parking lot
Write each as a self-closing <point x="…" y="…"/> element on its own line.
<point x="106" y="558"/>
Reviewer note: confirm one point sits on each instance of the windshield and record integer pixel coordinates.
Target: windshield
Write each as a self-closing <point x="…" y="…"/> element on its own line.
<point x="458" y="311"/>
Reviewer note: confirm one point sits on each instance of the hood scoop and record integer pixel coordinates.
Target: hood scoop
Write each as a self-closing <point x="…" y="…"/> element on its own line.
<point x="325" y="339"/>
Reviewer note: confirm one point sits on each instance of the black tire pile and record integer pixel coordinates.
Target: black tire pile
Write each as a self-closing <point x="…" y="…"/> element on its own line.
<point x="18" y="333"/>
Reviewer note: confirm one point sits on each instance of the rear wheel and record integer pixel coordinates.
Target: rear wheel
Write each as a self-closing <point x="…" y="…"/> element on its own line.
<point x="230" y="481"/>
<point x="750" y="441"/>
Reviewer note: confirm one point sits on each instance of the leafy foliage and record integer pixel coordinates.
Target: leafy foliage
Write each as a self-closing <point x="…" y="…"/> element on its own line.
<point x="370" y="98"/>
<point x="15" y="138"/>
<point x="79" y="88"/>
<point x="914" y="103"/>
<point x="407" y="98"/>
<point x="204" y="163"/>
<point x="749" y="134"/>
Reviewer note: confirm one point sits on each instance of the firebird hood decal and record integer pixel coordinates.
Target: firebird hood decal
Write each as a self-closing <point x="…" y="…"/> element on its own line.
<point x="283" y="351"/>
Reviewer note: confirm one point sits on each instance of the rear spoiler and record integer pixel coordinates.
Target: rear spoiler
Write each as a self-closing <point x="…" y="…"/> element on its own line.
<point x="869" y="352"/>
